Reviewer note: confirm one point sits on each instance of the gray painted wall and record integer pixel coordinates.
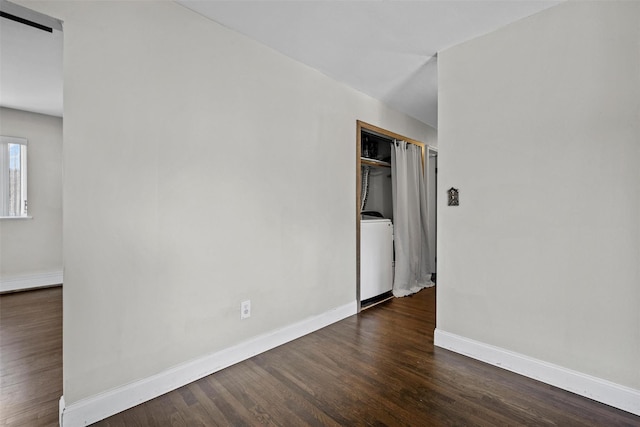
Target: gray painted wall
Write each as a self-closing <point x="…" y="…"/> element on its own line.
<point x="540" y="130"/>
<point x="195" y="178"/>
<point x="33" y="247"/>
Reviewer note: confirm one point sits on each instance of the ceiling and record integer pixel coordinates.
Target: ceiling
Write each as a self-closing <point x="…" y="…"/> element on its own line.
<point x="386" y="49"/>
<point x="30" y="68"/>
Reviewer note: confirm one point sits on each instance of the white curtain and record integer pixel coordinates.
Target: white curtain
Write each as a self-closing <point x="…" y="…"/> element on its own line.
<point x="410" y="217"/>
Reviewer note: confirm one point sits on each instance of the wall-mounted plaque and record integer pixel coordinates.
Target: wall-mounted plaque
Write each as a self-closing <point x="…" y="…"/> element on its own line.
<point x="454" y="197"/>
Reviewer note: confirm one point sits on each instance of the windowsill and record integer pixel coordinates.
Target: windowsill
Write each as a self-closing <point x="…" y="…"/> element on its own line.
<point x="16" y="217"/>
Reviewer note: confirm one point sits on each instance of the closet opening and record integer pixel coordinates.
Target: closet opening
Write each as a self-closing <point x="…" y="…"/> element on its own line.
<point x="375" y="250"/>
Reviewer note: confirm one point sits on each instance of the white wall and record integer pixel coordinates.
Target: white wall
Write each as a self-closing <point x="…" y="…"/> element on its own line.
<point x="540" y="130"/>
<point x="31" y="249"/>
<point x="195" y="178"/>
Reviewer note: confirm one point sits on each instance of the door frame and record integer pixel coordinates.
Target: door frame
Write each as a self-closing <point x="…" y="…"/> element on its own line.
<point x="433" y="210"/>
<point x="360" y="126"/>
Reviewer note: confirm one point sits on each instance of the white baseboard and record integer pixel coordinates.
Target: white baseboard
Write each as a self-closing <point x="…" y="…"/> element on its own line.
<point x="30" y="281"/>
<point x="60" y="410"/>
<point x="600" y="390"/>
<point x="103" y="405"/>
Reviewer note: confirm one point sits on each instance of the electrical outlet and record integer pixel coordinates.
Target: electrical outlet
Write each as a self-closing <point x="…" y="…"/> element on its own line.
<point x="245" y="309"/>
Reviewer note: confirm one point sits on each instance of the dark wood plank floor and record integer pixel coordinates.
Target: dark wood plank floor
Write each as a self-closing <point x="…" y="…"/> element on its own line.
<point x="378" y="368"/>
<point x="30" y="357"/>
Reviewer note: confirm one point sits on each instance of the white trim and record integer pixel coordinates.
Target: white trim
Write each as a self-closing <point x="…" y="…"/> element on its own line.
<point x="30" y="281"/>
<point x="103" y="405"/>
<point x="60" y="410"/>
<point x="607" y="392"/>
<point x="16" y="217"/>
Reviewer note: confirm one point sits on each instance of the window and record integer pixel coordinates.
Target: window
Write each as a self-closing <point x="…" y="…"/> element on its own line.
<point x="13" y="177"/>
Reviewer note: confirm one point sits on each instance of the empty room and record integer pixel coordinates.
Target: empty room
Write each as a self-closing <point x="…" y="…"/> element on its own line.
<point x="319" y="213"/>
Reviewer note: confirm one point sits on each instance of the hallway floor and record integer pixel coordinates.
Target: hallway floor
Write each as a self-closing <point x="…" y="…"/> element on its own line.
<point x="30" y="357"/>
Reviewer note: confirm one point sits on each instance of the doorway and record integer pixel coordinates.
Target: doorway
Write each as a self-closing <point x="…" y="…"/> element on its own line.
<point x="32" y="126"/>
<point x="368" y="156"/>
<point x="32" y="109"/>
<point x="431" y="173"/>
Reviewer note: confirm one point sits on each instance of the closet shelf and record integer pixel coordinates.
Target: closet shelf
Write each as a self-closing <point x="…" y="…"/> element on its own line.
<point x="374" y="162"/>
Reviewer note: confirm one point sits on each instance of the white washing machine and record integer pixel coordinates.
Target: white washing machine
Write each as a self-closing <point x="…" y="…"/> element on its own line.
<point x="376" y="257"/>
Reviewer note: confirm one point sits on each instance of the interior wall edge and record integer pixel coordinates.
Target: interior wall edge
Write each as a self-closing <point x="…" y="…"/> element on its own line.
<point x="598" y="389"/>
